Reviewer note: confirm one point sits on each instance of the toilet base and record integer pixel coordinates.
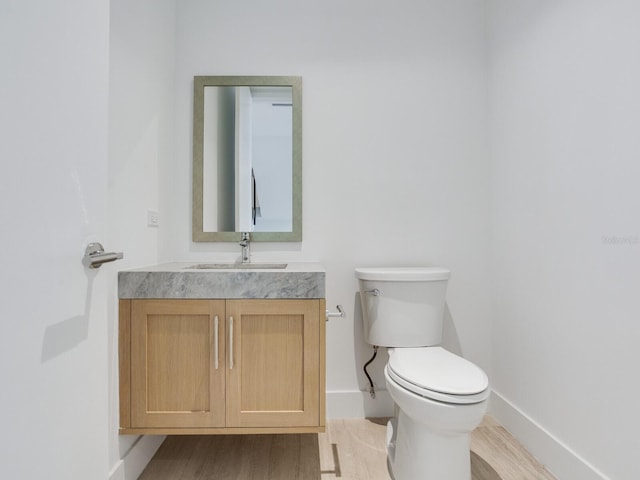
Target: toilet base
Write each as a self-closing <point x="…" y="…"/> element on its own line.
<point x="428" y="439"/>
<point x="418" y="453"/>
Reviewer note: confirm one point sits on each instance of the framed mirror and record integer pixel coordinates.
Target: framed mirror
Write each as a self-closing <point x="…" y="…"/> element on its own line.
<point x="247" y="158"/>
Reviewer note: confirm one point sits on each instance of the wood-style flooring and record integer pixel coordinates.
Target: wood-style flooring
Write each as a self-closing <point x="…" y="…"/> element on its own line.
<point x="350" y="449"/>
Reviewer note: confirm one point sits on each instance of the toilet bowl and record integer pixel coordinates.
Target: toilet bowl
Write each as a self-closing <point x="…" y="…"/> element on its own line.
<point x="439" y="397"/>
<point x="434" y="417"/>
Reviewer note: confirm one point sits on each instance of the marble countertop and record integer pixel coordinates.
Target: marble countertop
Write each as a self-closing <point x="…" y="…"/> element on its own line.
<point x="185" y="280"/>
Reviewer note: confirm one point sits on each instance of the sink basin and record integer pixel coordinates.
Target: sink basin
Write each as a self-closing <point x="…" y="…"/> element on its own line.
<point x="238" y="266"/>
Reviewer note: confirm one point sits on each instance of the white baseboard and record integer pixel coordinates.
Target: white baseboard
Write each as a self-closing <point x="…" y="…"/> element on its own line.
<point x="136" y="459"/>
<point x="558" y="458"/>
<point x="358" y="404"/>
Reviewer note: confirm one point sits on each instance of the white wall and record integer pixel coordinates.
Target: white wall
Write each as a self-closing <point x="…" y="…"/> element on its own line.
<point x="566" y="236"/>
<point x="395" y="164"/>
<point x="142" y="44"/>
<point x="53" y="322"/>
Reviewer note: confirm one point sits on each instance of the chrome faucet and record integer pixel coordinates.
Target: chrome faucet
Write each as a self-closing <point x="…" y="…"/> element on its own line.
<point x="245" y="243"/>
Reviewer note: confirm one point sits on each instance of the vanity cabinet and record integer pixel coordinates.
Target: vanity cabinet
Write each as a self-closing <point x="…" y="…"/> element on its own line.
<point x="222" y="366"/>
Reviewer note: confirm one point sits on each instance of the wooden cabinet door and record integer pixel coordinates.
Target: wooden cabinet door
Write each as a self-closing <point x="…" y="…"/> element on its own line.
<point x="177" y="367"/>
<point x="273" y="364"/>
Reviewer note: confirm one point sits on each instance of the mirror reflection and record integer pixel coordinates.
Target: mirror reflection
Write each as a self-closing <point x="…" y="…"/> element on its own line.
<point x="247" y="158"/>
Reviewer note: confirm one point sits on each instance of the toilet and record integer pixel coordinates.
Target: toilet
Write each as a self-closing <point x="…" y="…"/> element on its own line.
<point x="439" y="397"/>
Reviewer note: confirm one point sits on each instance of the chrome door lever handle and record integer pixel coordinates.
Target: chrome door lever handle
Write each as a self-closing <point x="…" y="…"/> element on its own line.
<point x="95" y="256"/>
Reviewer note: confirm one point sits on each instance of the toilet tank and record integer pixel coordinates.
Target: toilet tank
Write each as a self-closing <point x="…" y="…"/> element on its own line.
<point x="403" y="307"/>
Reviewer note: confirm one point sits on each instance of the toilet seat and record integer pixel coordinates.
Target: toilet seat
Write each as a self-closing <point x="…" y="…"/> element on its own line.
<point x="438" y="374"/>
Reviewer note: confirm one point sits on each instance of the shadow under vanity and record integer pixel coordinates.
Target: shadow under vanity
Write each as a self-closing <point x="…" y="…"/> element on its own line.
<point x="222" y="351"/>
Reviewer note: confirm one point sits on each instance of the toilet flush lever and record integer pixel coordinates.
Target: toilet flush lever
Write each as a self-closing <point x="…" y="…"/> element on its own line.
<point x="339" y="313"/>
<point x="375" y="292"/>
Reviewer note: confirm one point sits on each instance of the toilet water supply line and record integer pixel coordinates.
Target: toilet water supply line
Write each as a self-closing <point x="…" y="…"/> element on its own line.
<point x="341" y="314"/>
<point x="372" y="389"/>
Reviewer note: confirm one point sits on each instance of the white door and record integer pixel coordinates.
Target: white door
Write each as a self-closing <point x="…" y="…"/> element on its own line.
<point x="53" y="193"/>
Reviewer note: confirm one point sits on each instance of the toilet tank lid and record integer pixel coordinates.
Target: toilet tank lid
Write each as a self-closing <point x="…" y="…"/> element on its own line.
<point x="403" y="274"/>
